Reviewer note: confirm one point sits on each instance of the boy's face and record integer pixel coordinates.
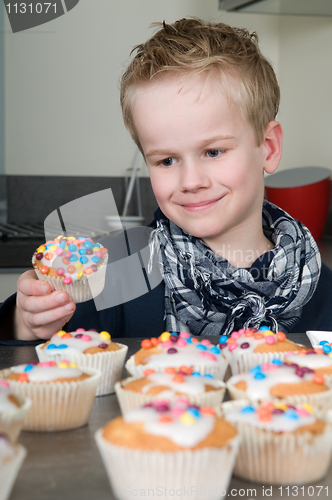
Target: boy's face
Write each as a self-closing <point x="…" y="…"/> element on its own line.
<point x="205" y="167"/>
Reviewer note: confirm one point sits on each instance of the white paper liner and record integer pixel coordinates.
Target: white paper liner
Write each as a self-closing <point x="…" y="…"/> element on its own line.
<point x="129" y="400"/>
<point x="9" y="470"/>
<point x="320" y="400"/>
<point x="57" y="406"/>
<point x="109" y="363"/>
<point x="84" y="289"/>
<point x="218" y="370"/>
<point x="247" y="361"/>
<point x="280" y="458"/>
<point x="199" y="474"/>
<point x="11" y="422"/>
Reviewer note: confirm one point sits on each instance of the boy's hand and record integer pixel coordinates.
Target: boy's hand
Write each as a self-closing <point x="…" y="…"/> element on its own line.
<point x="40" y="312"/>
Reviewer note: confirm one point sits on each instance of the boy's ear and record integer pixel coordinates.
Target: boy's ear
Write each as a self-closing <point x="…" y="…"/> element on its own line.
<point x="273" y="146"/>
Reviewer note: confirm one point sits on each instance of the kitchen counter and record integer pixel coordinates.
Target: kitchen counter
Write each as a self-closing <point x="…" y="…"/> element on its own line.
<point x="67" y="465"/>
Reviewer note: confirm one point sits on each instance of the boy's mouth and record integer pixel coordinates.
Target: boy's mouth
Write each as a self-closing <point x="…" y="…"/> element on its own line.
<point x="202" y="205"/>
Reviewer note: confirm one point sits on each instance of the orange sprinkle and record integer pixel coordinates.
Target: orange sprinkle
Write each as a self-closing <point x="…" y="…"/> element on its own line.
<point x="267" y="404"/>
<point x="264" y="417"/>
<point x="165" y="419"/>
<point x="178" y="378"/>
<point x="194" y="339"/>
<point x="23" y="377"/>
<point x="230" y="340"/>
<point x="207" y="410"/>
<point x="49" y="256"/>
<point x="258" y="336"/>
<point x="154" y="341"/>
<point x="103" y="250"/>
<point x="281" y="336"/>
<point x="170" y="369"/>
<point x="148" y="371"/>
<point x="53" y="363"/>
<point x="146" y="344"/>
<point x="318" y="379"/>
<point x="249" y="333"/>
<point x="66" y="336"/>
<point x="44" y="269"/>
<point x="318" y="350"/>
<point x="186" y="370"/>
<point x="301" y="352"/>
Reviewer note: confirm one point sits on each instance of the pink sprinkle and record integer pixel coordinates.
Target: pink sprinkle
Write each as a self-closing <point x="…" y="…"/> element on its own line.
<point x="203" y="353"/>
<point x="210" y="356"/>
<point x="46" y="364"/>
<point x="235" y="335"/>
<point x="80" y="330"/>
<point x="181" y="343"/>
<point x="232" y="346"/>
<point x="100" y="254"/>
<point x="176" y="412"/>
<point x="265" y="366"/>
<point x="59" y="251"/>
<point x="205" y="342"/>
<point x="86" y="338"/>
<point x="272" y="367"/>
<point x="184" y="335"/>
<point x="67" y="280"/>
<point x="67" y="255"/>
<point x="60" y="271"/>
<point x="242" y="330"/>
<point x="161" y="402"/>
<point x="303" y="412"/>
<point x="3" y="383"/>
<point x="270" y="339"/>
<point x="289" y="353"/>
<point x="167" y="344"/>
<point x="65" y="361"/>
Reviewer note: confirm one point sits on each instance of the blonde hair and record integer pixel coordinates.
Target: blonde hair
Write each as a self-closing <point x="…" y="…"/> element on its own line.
<point x="196" y="47"/>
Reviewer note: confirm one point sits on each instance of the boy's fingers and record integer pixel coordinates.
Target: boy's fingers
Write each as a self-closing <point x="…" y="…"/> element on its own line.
<point x="29" y="284"/>
<point x="46" y="323"/>
<point x="37" y="303"/>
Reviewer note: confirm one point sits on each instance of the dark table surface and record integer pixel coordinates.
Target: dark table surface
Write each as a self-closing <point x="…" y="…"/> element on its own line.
<point x="67" y="465"/>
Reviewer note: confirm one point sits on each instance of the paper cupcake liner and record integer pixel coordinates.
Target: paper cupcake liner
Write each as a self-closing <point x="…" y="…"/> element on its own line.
<point x="11" y="422"/>
<point x="193" y="473"/>
<point x="280" y="458"/>
<point x="217" y="371"/>
<point x="109" y="363"/>
<point x="81" y="290"/>
<point x="57" y="406"/>
<point x="247" y="361"/>
<point x="129" y="400"/>
<point x="320" y="400"/>
<point x="9" y="470"/>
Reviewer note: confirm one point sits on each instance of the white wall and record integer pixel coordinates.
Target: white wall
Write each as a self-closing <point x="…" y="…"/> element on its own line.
<point x="62" y="100"/>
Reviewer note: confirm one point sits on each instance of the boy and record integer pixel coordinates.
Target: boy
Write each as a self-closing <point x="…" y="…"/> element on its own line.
<point x="200" y="101"/>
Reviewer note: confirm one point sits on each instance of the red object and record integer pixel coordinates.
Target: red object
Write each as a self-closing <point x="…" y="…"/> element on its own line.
<point x="304" y="193"/>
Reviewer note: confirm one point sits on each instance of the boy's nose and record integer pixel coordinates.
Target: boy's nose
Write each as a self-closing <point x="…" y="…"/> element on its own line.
<point x="193" y="176"/>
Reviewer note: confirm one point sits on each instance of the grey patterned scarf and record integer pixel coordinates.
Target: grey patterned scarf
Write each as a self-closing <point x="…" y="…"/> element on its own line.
<point x="206" y="295"/>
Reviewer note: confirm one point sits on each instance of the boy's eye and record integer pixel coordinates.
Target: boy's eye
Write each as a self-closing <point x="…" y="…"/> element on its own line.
<point x="214" y="153"/>
<point x="168" y="162"/>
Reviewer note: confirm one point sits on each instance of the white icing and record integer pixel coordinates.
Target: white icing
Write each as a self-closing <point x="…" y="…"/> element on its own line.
<point x="47" y="373"/>
<point x="260" y="388"/>
<point x="7" y="450"/>
<point x="188" y="355"/>
<point x="75" y="345"/>
<point x="278" y="423"/>
<point x="192" y="384"/>
<point x="312" y="361"/>
<point x="178" y="432"/>
<point x="5" y="403"/>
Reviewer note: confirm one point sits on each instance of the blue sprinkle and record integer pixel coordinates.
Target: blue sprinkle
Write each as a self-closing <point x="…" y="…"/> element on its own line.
<point x="51" y="346"/>
<point x="194" y="412"/>
<point x="62" y="244"/>
<point x="189" y="340"/>
<point x="28" y="368"/>
<point x="196" y="374"/>
<point x="291" y="414"/>
<point x="215" y="350"/>
<point x="264" y="328"/>
<point x="208" y="375"/>
<point x="97" y="245"/>
<point x="277" y="362"/>
<point x="82" y="251"/>
<point x="255" y="369"/>
<point x="223" y="339"/>
<point x="201" y="347"/>
<point x="62" y="346"/>
<point x="322" y="342"/>
<point x="84" y="259"/>
<point x="248" y="409"/>
<point x="88" y="244"/>
<point x="95" y="259"/>
<point x="73" y="258"/>
<point x="72" y="248"/>
<point x="327" y="348"/>
<point x="49" y="245"/>
<point x="174" y="333"/>
<point x="259" y="376"/>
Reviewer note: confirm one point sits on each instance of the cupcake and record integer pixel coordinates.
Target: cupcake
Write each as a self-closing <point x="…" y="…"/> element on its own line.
<point x="11" y="459"/>
<point x="198" y="389"/>
<point x="164" y="448"/>
<point x="175" y="350"/>
<point x="89" y="349"/>
<point x="314" y="359"/>
<point x="283" y="382"/>
<point x="13" y="410"/>
<point x="250" y="347"/>
<point x="280" y="443"/>
<point x="75" y="265"/>
<point x="62" y="394"/>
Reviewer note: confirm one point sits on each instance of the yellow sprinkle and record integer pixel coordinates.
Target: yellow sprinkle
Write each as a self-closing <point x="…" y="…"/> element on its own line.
<point x="78" y="265"/>
<point x="66" y="248"/>
<point x="80" y="274"/>
<point x="308" y="407"/>
<point x="61" y="332"/>
<point x="41" y="249"/>
<point x="105" y="335"/>
<point x="165" y="336"/>
<point x="268" y="332"/>
<point x="187" y="419"/>
<point x="330" y="354"/>
<point x="71" y="238"/>
<point x="52" y="248"/>
<point x="63" y="365"/>
<point x="281" y="406"/>
<point x="72" y="365"/>
<point x="95" y="249"/>
<point x="60" y="236"/>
